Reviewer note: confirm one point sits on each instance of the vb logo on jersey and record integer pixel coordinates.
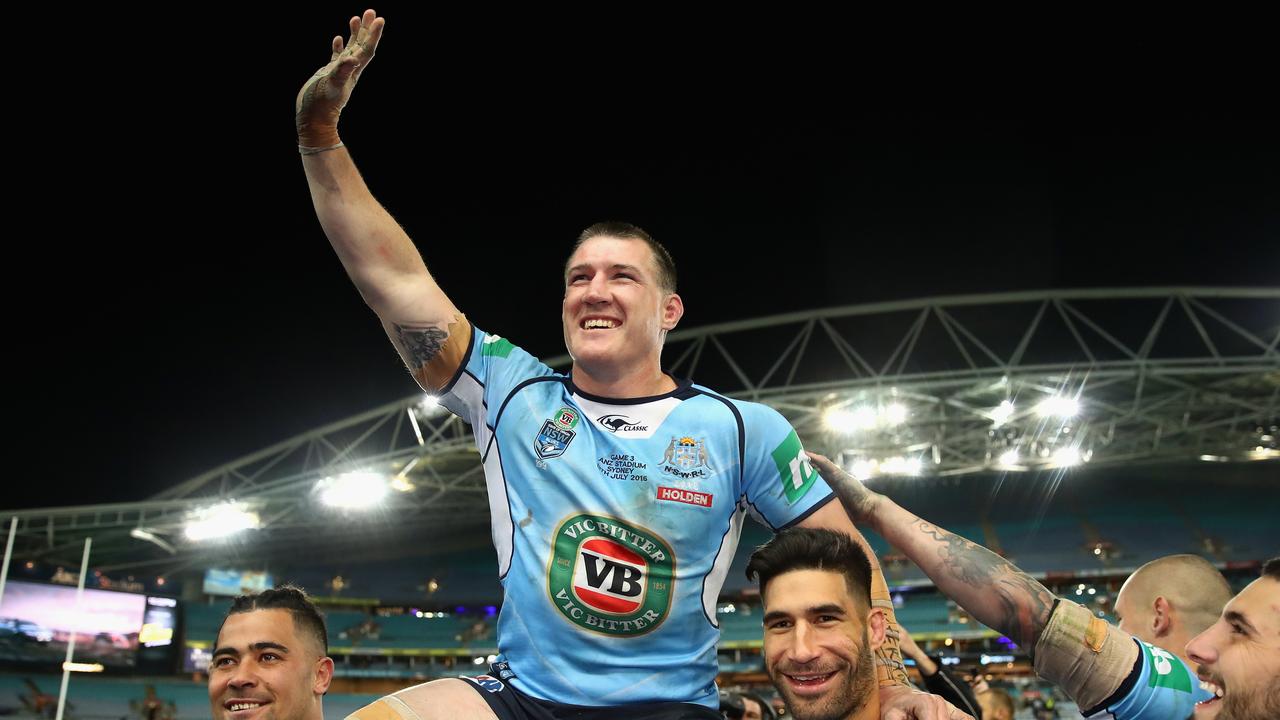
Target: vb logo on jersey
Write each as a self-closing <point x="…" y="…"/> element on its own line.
<point x="554" y="437"/>
<point x="610" y="577"/>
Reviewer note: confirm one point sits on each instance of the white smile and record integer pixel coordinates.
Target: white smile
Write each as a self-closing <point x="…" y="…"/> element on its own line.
<point x="594" y="323"/>
<point x="809" y="681"/>
<point x="237" y="707"/>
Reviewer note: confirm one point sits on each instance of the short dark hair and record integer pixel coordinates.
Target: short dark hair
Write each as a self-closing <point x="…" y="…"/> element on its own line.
<point x="1271" y="568"/>
<point x="766" y="708"/>
<point x="1003" y="699"/>
<point x="306" y="618"/>
<point x="800" y="548"/>
<point x="627" y="231"/>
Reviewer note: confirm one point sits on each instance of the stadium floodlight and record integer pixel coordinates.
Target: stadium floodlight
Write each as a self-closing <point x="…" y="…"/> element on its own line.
<point x="840" y="421"/>
<point x="220" y="521"/>
<point x="895" y="414"/>
<point x="1001" y="413"/>
<point x="1067" y="456"/>
<point x="353" y="490"/>
<point x="142" y="534"/>
<point x="864" y="418"/>
<point x="1060" y="406"/>
<point x="899" y="465"/>
<point x="863" y="469"/>
<point x="1009" y="458"/>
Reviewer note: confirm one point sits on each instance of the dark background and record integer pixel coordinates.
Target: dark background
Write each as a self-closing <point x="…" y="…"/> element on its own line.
<point x="176" y="304"/>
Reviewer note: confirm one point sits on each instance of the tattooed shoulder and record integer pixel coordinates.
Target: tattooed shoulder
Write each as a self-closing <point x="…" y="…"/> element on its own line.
<point x="419" y="345"/>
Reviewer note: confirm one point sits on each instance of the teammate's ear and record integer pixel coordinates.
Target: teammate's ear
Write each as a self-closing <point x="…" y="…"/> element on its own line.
<point x="1161" y="617"/>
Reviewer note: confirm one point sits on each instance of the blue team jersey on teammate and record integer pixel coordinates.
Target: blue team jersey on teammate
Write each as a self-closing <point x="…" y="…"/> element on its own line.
<point x="1161" y="687"/>
<point x="615" y="522"/>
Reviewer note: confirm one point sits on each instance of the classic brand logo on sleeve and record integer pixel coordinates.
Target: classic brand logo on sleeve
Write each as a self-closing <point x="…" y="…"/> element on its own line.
<point x="610" y="577"/>
<point x="554" y="437"/>
<point x="793" y="468"/>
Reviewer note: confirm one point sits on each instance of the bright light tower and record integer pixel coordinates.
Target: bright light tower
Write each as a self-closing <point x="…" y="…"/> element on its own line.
<point x="353" y="490"/>
<point x="1067" y="456"/>
<point x="895" y="413"/>
<point x="1060" y="406"/>
<point x="219" y="521"/>
<point x="1001" y="413"/>
<point x="863" y="469"/>
<point x="840" y="421"/>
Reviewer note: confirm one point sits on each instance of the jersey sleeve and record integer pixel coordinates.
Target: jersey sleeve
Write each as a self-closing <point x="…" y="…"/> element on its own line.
<point x="491" y="368"/>
<point x="1159" y="687"/>
<point x="778" y="482"/>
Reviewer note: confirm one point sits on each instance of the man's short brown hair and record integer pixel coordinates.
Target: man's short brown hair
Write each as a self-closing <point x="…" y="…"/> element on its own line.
<point x="626" y="231"/>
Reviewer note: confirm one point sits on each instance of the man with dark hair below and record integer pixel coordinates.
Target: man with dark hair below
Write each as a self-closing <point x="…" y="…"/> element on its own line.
<point x="820" y="627"/>
<point x="756" y="708"/>
<point x="936" y="678"/>
<point x="617" y="493"/>
<point x="1107" y="672"/>
<point x="1170" y="600"/>
<point x="271" y="659"/>
<point x="996" y="704"/>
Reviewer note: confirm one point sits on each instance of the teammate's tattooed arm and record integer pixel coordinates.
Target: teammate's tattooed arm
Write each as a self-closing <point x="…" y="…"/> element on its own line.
<point x="993" y="590"/>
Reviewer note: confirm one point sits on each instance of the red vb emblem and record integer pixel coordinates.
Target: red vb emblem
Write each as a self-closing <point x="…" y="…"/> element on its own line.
<point x="609" y="576"/>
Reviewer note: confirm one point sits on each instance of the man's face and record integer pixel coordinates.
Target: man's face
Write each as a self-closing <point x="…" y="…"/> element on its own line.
<point x="753" y="711"/>
<point x="817" y="648"/>
<point x="1240" y="654"/>
<point x="1134" y="617"/>
<point x="264" y="669"/>
<point x="615" y="312"/>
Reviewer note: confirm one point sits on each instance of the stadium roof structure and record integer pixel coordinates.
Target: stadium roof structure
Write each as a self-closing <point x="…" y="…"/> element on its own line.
<point x="933" y="387"/>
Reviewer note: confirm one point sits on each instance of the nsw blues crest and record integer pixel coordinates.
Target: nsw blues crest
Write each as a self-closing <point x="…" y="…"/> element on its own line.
<point x="556" y="434"/>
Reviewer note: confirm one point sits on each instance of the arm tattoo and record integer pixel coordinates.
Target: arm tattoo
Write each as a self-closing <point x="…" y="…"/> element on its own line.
<point x="1024" y="604"/>
<point x="419" y="345"/>
<point x="889" y="657"/>
<point x="858" y="501"/>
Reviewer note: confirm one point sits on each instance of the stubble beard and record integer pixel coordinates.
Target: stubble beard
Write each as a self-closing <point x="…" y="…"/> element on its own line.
<point x="840" y="703"/>
<point x="1260" y="704"/>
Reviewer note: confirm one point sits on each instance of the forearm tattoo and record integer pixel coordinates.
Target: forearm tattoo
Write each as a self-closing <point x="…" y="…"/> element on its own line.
<point x="1024" y="604"/>
<point x="858" y="501"/>
<point x="889" y="657"/>
<point x="419" y="345"/>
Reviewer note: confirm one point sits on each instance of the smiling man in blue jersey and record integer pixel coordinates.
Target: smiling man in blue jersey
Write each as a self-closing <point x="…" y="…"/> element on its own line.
<point x="617" y="492"/>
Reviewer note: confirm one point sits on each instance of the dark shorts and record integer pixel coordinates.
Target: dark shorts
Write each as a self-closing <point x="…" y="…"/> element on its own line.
<point x="509" y="703"/>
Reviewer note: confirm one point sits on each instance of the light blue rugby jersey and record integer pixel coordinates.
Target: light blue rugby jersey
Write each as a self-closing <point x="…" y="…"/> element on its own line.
<point x="1160" y="687"/>
<point x="615" y="522"/>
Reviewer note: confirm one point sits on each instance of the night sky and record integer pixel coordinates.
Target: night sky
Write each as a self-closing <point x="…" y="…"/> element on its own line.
<point x="192" y="311"/>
